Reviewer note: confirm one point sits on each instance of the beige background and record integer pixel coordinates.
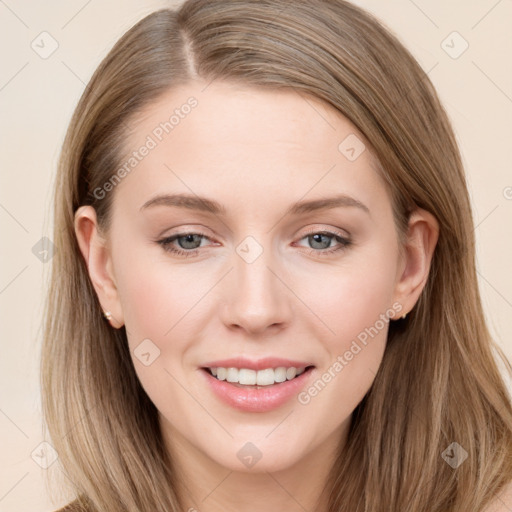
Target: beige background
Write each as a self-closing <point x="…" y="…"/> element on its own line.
<point x="37" y="97"/>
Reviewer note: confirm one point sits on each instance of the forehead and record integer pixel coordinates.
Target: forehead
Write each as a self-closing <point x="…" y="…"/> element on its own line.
<point x="263" y="145"/>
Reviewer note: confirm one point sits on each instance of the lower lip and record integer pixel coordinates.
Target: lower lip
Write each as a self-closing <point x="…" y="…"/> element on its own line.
<point x="261" y="399"/>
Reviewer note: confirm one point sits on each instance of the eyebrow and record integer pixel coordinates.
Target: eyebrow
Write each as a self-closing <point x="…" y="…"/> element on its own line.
<point x="193" y="202"/>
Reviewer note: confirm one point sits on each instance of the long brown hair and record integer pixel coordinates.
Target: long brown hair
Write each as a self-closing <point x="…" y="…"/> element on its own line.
<point x="438" y="383"/>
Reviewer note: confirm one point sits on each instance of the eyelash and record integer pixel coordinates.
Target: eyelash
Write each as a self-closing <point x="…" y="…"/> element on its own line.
<point x="343" y="243"/>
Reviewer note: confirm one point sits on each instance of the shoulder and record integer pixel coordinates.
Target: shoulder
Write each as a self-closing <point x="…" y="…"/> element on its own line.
<point x="503" y="501"/>
<point x="74" y="506"/>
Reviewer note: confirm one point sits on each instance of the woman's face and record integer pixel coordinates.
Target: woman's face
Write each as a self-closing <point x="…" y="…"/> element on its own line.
<point x="280" y="244"/>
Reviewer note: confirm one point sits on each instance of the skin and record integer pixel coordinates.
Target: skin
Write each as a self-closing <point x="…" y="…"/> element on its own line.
<point x="256" y="152"/>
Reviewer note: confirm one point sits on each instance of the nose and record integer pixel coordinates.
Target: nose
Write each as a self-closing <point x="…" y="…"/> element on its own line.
<point x="256" y="298"/>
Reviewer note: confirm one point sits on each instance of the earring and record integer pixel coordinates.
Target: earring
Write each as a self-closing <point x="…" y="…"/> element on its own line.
<point x="403" y="316"/>
<point x="107" y="315"/>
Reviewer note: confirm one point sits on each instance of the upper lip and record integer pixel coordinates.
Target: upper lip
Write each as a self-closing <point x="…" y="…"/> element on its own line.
<point x="259" y="364"/>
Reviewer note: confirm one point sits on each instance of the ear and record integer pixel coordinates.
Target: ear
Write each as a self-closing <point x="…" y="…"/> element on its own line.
<point x="97" y="255"/>
<point x="422" y="236"/>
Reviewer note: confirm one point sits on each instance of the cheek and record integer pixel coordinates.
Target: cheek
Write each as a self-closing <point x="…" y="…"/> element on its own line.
<point x="154" y="294"/>
<point x="155" y="304"/>
<point x="358" y="314"/>
<point x="354" y="297"/>
<point x="357" y="306"/>
<point x="145" y="298"/>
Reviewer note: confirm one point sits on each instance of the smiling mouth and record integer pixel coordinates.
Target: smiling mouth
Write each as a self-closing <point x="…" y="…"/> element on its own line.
<point x="268" y="378"/>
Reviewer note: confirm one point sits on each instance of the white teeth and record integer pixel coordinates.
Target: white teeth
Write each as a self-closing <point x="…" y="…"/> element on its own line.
<point x="264" y="377"/>
<point x="232" y="375"/>
<point x="291" y="372"/>
<point x="248" y="377"/>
